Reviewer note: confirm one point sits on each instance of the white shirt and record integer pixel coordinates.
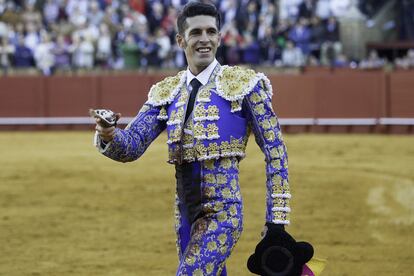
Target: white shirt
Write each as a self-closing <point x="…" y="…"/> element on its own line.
<point x="204" y="75"/>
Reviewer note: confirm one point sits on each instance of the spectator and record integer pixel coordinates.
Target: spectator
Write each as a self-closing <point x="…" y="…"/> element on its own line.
<point x="248" y="18"/>
<point x="30" y="15"/>
<point x="6" y="52"/>
<point x="340" y="8"/>
<point x="104" y="47"/>
<point x="149" y="50"/>
<point x="50" y="12"/>
<point x="43" y="55"/>
<point x="229" y="9"/>
<point x="323" y="9"/>
<point x="269" y="51"/>
<point x="318" y="36"/>
<point x="331" y="47"/>
<point x="372" y="62"/>
<point x="61" y="53"/>
<point x="231" y="41"/>
<point x="32" y="38"/>
<point x="77" y="6"/>
<point x="288" y="9"/>
<point x="341" y="61"/>
<point x="95" y="14"/>
<point x="168" y="23"/>
<point x="77" y="18"/>
<point x="292" y="56"/>
<point x="86" y="49"/>
<point x="250" y="50"/>
<point x="301" y="35"/>
<point x="130" y="53"/>
<point x="407" y="61"/>
<point x="82" y="53"/>
<point x="155" y="16"/>
<point x="137" y="5"/>
<point x="164" y="46"/>
<point x="307" y="9"/>
<point x="23" y="55"/>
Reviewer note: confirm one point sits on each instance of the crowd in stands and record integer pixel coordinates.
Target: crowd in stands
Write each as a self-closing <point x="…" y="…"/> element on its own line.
<point x="64" y="35"/>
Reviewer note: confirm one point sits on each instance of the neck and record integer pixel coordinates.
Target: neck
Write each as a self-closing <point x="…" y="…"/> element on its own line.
<point x="195" y="71"/>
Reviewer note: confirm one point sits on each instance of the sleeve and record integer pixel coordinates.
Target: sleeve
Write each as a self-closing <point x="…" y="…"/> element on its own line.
<point x="265" y="126"/>
<point x="130" y="143"/>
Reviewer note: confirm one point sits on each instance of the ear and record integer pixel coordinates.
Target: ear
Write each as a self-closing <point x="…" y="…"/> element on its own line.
<point x="180" y="41"/>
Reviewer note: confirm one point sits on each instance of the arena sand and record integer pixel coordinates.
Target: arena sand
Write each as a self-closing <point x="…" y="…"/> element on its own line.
<point x="67" y="210"/>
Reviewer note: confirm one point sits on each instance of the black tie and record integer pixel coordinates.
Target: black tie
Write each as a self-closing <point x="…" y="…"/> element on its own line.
<point x="195" y="85"/>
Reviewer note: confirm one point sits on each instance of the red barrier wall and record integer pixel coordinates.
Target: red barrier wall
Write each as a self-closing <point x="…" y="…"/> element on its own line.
<point x="345" y="94"/>
<point x="401" y="97"/>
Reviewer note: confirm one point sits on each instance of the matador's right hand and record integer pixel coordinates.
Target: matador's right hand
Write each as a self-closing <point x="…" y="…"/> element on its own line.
<point x="105" y="123"/>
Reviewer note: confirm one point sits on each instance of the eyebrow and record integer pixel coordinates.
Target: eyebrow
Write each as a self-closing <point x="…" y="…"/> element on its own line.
<point x="200" y="29"/>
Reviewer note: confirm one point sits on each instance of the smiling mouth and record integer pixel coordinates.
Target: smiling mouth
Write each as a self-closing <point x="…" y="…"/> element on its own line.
<point x="203" y="50"/>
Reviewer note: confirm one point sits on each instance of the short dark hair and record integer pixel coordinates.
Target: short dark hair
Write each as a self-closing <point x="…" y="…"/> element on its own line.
<point x="195" y="8"/>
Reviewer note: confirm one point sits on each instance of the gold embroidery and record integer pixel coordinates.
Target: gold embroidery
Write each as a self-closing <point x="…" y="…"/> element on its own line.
<point x="221" y="178"/>
<point x="212" y="131"/>
<point x="209" y="192"/>
<point x="213" y="111"/>
<point x="198" y="272"/>
<point x="187" y="139"/>
<point x="225" y="149"/>
<point x="201" y="150"/>
<point x="190" y="260"/>
<point x="199" y="111"/>
<point x="233" y="81"/>
<point x="209" y="268"/>
<point x="270" y="135"/>
<point x="274" y="153"/>
<point x="259" y="109"/>
<point x="199" y="130"/>
<point x="210" y="178"/>
<point x="163" y="91"/>
<point x="235" y="106"/>
<point x="225" y="163"/>
<point x="226" y="193"/>
<point x="161" y="116"/>
<point x="222" y="216"/>
<point x="223" y="249"/>
<point x="210" y="164"/>
<point x="235" y="222"/>
<point x="265" y="124"/>
<point x="212" y="246"/>
<point x="172" y="115"/>
<point x="212" y="226"/>
<point x="233" y="184"/>
<point x="273" y="121"/>
<point x="255" y="97"/>
<point x="233" y="210"/>
<point x="222" y="238"/>
<point x="277" y="188"/>
<point x="276" y="164"/>
<point x="213" y="149"/>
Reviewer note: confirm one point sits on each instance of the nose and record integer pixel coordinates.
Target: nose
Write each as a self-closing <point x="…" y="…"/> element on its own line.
<point x="204" y="37"/>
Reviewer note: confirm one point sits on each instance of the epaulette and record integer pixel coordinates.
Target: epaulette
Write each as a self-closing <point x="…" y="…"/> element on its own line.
<point x="235" y="82"/>
<point x="163" y="92"/>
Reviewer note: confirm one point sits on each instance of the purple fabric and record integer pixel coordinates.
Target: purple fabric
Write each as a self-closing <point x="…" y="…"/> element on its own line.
<point x="306" y="271"/>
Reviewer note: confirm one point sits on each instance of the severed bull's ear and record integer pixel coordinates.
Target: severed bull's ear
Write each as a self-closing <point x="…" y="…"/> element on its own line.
<point x="107" y="117"/>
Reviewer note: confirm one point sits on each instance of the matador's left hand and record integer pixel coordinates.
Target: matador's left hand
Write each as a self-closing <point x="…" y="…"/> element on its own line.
<point x="278" y="254"/>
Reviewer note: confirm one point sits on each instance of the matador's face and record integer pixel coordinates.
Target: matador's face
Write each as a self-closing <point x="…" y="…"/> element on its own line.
<point x="200" y="41"/>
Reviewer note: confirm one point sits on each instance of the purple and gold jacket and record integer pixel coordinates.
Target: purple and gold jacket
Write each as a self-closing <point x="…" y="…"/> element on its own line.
<point x="234" y="102"/>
